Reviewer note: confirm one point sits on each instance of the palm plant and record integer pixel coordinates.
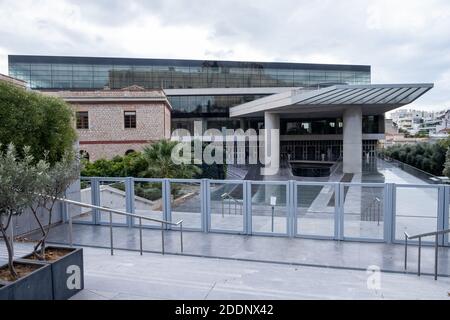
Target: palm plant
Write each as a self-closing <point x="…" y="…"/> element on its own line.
<point x="160" y="164"/>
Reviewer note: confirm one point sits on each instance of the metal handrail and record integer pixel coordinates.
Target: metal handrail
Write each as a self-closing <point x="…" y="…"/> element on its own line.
<point x="226" y="195"/>
<point x="124" y="213"/>
<point x="436" y="248"/>
<point x="377" y="201"/>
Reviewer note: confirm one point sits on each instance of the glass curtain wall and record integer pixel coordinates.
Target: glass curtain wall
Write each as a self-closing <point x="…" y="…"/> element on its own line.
<point x="91" y="73"/>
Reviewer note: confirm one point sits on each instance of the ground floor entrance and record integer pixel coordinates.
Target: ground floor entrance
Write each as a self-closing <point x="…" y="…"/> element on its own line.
<point x="328" y="151"/>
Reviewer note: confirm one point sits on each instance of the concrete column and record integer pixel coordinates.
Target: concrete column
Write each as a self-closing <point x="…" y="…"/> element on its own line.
<point x="271" y="143"/>
<point x="353" y="140"/>
<point x="242" y="123"/>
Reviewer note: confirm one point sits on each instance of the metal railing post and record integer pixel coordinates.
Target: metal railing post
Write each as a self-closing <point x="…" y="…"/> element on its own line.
<point x="206" y="205"/>
<point x="389" y="212"/>
<point x="379" y="212"/>
<point x="247" y="200"/>
<point x="341" y="211"/>
<point x="436" y="252"/>
<point x="406" y="252"/>
<point x="337" y="211"/>
<point x="291" y="203"/>
<point x="69" y="215"/>
<point x="181" y="236"/>
<point x="167" y="200"/>
<point x="95" y="200"/>
<point x="223" y="208"/>
<point x="129" y="199"/>
<point x="446" y="218"/>
<point x="140" y="235"/>
<point x="419" y="256"/>
<point x="273" y="212"/>
<point x="162" y="238"/>
<point x="441" y="212"/>
<point x="111" y="232"/>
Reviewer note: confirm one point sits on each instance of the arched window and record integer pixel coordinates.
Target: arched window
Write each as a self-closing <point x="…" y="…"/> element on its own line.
<point x="84" y="155"/>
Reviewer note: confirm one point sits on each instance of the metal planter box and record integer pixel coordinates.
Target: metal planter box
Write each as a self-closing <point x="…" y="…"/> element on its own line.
<point x="67" y="273"/>
<point x="35" y="286"/>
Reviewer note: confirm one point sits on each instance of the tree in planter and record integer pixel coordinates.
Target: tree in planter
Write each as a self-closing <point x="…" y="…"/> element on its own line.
<point x="18" y="180"/>
<point x="54" y="182"/>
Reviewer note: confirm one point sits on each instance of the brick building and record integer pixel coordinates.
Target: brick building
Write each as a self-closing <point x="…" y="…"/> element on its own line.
<point x="116" y="122"/>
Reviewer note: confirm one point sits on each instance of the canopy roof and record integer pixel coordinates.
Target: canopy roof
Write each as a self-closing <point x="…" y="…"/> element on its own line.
<point x="373" y="99"/>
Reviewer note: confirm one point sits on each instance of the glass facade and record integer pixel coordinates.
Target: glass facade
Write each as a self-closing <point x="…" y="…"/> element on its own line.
<point x="207" y="105"/>
<point x="89" y="73"/>
<point x="45" y="72"/>
<point x="370" y="125"/>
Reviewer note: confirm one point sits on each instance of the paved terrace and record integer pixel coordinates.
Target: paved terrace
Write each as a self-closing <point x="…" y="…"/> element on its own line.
<point x="281" y="250"/>
<point x="216" y="266"/>
<point x="127" y="275"/>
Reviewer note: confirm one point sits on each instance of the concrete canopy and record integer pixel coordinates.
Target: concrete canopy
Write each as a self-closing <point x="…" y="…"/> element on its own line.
<point x="373" y="99"/>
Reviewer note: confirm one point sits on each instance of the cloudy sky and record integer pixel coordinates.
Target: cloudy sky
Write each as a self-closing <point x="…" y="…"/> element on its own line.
<point x="404" y="40"/>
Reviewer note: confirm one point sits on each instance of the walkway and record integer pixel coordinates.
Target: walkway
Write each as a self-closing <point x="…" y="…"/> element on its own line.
<point x="127" y="275"/>
<point x="283" y="250"/>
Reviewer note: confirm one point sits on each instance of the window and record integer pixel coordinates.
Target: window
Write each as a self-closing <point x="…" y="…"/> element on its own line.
<point x="84" y="155"/>
<point x="82" y="120"/>
<point x="130" y="119"/>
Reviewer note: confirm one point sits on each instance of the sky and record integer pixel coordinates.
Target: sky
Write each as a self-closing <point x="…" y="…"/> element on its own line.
<point x="405" y="41"/>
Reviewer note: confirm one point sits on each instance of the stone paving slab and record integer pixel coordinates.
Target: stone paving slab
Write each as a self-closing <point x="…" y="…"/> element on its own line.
<point x="127" y="275"/>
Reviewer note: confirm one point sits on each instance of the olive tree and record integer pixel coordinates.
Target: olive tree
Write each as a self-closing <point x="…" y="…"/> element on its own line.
<point x="19" y="179"/>
<point x="53" y="183"/>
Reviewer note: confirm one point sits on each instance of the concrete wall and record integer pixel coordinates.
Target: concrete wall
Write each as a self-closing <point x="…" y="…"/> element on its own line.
<point x="26" y="222"/>
<point x="114" y="198"/>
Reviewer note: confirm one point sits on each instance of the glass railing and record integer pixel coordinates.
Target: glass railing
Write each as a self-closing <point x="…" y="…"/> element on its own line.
<point x="379" y="212"/>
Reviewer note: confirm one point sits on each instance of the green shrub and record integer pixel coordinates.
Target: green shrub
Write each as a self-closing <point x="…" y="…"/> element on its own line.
<point x="43" y="123"/>
<point x="429" y="157"/>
